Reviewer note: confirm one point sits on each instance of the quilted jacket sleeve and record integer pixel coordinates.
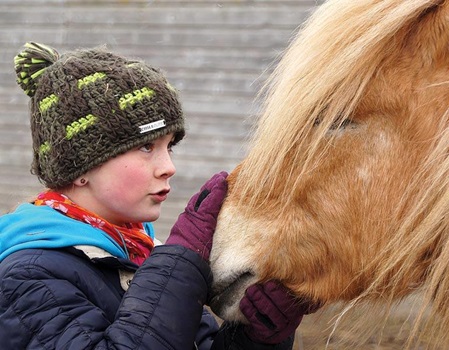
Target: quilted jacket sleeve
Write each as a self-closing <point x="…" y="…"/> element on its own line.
<point x="42" y="306"/>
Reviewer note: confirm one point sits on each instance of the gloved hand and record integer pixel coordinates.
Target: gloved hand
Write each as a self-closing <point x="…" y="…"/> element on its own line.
<point x="273" y="312"/>
<point x="195" y="227"/>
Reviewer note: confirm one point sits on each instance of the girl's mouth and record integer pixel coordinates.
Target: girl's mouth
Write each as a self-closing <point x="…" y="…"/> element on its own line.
<point x="160" y="196"/>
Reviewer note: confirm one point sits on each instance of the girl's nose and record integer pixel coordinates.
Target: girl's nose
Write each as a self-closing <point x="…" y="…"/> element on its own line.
<point x="165" y="167"/>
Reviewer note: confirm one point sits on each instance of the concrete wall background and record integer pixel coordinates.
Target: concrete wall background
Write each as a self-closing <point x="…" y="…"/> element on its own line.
<point x="215" y="52"/>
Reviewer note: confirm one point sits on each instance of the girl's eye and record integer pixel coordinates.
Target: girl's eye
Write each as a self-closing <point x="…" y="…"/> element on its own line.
<point x="147" y="148"/>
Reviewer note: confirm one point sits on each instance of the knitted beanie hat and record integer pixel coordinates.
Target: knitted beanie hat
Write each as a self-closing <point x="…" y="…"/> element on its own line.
<point x="88" y="106"/>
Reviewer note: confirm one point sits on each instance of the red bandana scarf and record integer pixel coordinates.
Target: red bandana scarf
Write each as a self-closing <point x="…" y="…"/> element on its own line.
<point x="133" y="238"/>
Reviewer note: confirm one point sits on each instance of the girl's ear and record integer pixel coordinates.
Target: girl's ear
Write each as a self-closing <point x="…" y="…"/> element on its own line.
<point x="80" y="181"/>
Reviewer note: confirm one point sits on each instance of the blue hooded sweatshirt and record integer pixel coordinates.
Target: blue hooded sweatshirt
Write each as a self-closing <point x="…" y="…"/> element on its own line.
<point x="31" y="226"/>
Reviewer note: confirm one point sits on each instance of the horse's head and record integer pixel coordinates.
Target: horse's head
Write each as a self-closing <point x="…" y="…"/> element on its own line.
<point x="344" y="191"/>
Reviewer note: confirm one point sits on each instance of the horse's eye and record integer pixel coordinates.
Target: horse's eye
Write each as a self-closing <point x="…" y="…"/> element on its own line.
<point x="338" y="124"/>
<point x="342" y="125"/>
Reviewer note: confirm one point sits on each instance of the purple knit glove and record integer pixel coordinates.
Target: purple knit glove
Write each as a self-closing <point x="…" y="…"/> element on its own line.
<point x="273" y="312"/>
<point x="196" y="225"/>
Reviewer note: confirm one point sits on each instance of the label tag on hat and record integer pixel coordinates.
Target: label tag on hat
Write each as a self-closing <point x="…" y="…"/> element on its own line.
<point x="152" y="126"/>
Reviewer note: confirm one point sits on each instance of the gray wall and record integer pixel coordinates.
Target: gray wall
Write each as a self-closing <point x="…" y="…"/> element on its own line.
<point x="215" y="52"/>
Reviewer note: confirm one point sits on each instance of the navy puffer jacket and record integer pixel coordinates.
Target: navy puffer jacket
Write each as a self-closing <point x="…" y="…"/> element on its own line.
<point x="59" y="299"/>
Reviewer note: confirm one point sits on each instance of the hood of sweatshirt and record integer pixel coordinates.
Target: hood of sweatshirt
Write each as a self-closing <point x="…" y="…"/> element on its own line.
<point x="31" y="226"/>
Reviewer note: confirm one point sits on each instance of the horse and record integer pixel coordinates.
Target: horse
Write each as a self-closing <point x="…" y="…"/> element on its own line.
<point x="343" y="194"/>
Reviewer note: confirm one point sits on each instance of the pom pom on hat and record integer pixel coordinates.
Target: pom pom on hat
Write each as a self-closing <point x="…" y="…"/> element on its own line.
<point x="31" y="63"/>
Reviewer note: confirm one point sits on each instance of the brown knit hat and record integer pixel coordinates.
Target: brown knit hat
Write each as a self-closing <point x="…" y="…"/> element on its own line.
<point x="88" y="106"/>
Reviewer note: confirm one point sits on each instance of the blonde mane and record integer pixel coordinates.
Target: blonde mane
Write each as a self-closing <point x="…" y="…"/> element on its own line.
<point x="319" y="82"/>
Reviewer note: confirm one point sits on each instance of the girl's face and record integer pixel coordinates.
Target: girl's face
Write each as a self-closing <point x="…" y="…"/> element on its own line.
<point x="132" y="186"/>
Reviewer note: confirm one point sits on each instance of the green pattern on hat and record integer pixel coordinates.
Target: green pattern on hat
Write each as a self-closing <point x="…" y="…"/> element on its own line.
<point x="80" y="125"/>
<point x="44" y="148"/>
<point x="90" y="79"/>
<point x="47" y="102"/>
<point x="88" y="106"/>
<point x="134" y="97"/>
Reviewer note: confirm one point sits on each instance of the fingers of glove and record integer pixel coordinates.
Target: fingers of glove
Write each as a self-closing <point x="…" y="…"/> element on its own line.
<point x="204" y="208"/>
<point x="287" y="301"/>
<point x="197" y="198"/>
<point x="260" y="326"/>
<point x="213" y="180"/>
<point x="211" y="196"/>
<point x="203" y="194"/>
<point x="281" y="297"/>
<point x="262" y="329"/>
<point x="256" y="303"/>
<point x="271" y="311"/>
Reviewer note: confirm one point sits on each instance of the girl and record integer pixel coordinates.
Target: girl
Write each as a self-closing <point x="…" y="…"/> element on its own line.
<point x="79" y="269"/>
